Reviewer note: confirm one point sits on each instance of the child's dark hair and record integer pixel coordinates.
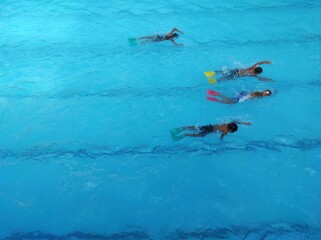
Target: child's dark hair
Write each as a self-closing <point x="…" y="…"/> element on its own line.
<point x="175" y="35"/>
<point x="258" y="70"/>
<point x="268" y="91"/>
<point x="232" y="127"/>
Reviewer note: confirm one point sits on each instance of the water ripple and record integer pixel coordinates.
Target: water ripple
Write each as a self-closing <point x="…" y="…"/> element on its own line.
<point x="130" y="92"/>
<point x="172" y="150"/>
<point x="264" y="231"/>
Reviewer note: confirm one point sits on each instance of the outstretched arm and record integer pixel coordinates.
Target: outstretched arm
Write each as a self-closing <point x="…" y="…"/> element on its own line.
<point x="245" y="123"/>
<point x="172" y="40"/>
<point x="262" y="78"/>
<point x="222" y="136"/>
<point x="259" y="63"/>
<point x="173" y="30"/>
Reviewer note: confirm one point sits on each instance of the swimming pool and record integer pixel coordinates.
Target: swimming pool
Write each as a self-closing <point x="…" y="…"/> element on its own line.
<point x="85" y="146"/>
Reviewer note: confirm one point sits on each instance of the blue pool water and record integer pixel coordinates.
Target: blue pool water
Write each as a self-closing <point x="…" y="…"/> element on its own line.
<point x="85" y="149"/>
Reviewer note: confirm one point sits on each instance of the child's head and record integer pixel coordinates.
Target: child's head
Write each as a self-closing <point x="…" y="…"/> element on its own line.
<point x="175" y="35"/>
<point x="266" y="93"/>
<point x="258" y="70"/>
<point x="232" y="127"/>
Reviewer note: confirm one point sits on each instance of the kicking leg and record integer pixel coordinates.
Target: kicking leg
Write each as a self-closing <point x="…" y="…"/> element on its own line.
<point x="146" y="37"/>
<point x="226" y="100"/>
<point x="194" y="134"/>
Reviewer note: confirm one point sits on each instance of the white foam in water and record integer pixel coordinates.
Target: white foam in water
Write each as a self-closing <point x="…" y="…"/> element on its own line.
<point x="85" y="148"/>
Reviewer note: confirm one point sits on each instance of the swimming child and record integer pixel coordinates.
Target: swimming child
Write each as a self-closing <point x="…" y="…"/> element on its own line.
<point x="240" y="97"/>
<point x="252" y="71"/>
<point x="202" y="131"/>
<point x="171" y="36"/>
